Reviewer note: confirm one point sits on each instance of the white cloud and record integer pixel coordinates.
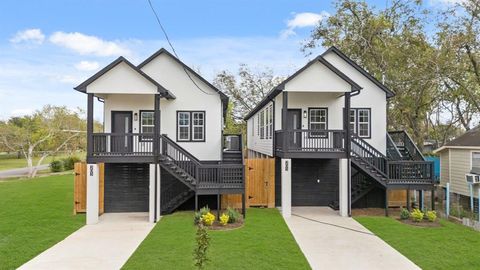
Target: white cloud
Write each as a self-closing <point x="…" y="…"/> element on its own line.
<point x="21" y="112"/>
<point x="33" y="35"/>
<point x="87" y="65"/>
<point x="302" y="20"/>
<point x="88" y="45"/>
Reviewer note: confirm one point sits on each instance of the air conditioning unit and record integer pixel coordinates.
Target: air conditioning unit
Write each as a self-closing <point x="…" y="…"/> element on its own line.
<point x="472" y="178"/>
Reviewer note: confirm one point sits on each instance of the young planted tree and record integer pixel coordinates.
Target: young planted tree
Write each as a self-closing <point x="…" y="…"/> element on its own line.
<point x="47" y="131"/>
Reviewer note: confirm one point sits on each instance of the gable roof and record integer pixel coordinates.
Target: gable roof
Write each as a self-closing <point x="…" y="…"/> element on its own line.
<point x="335" y="50"/>
<point x="162" y="90"/>
<point x="279" y="88"/>
<point x="163" y="50"/>
<point x="470" y="139"/>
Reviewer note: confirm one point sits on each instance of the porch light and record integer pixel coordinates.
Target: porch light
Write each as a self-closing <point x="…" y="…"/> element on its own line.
<point x="135" y="117"/>
<point x="304" y="113"/>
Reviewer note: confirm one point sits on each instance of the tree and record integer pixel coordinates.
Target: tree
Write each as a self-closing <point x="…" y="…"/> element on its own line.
<point x="458" y="42"/>
<point x="391" y="45"/>
<point x="47" y="131"/>
<point x="246" y="88"/>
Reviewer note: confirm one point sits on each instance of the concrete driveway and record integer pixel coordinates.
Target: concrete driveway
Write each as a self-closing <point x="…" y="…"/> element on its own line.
<point x="106" y="245"/>
<point x="333" y="242"/>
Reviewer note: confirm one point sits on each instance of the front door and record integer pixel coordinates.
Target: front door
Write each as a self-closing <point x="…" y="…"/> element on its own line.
<point x="121" y="126"/>
<point x="294" y="122"/>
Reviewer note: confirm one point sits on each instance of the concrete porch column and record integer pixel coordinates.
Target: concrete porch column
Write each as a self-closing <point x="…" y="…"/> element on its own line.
<point x="154" y="189"/>
<point x="343" y="200"/>
<point x="286" y="187"/>
<point x="92" y="193"/>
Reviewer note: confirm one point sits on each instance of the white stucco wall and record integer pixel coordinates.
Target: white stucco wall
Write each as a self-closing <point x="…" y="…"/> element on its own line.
<point x="371" y="96"/>
<point x="122" y="79"/>
<point x="171" y="75"/>
<point x="318" y="78"/>
<point x="317" y="86"/>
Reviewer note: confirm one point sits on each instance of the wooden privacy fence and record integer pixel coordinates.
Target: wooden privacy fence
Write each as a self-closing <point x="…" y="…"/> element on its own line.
<point x="80" y="188"/>
<point x="259" y="185"/>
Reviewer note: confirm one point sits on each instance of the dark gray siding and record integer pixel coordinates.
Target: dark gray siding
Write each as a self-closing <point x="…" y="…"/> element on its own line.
<point x="126" y="187"/>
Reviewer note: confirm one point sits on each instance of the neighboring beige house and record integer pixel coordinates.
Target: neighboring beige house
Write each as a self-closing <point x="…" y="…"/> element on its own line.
<point x="457" y="158"/>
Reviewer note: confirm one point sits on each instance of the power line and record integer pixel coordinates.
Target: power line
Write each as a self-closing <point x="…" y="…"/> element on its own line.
<point x="173" y="49"/>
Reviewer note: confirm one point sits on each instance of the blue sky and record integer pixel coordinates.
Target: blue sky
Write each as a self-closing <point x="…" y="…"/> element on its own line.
<point x="48" y="47"/>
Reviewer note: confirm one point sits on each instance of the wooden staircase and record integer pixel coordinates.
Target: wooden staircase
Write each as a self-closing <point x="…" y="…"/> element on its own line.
<point x="195" y="176"/>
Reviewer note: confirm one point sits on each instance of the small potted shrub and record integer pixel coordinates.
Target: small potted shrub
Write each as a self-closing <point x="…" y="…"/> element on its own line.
<point x="404" y="214"/>
<point x="416" y="215"/>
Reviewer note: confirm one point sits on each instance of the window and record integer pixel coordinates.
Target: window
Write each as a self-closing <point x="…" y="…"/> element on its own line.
<point x="253" y="126"/>
<point x="262" y="124"/>
<point x="198" y="126"/>
<point x="476" y="160"/>
<point x="363" y="116"/>
<point x="183" y="126"/>
<point x="353" y="121"/>
<point x="190" y="126"/>
<point x="270" y="122"/>
<point x="360" y="122"/>
<point x="258" y="124"/>
<point x="147" y="124"/>
<point x="317" y="120"/>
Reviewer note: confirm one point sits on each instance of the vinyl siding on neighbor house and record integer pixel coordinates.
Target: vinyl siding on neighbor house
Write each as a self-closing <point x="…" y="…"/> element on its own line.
<point x="460" y="164"/>
<point x="254" y="142"/>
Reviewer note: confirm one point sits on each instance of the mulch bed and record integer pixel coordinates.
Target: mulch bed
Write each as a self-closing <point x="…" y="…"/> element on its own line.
<point x="375" y="212"/>
<point x="216" y="226"/>
<point x="424" y="223"/>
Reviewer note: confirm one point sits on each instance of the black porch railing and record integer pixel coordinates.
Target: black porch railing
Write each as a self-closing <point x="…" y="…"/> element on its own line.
<point x="304" y="140"/>
<point x="411" y="172"/>
<point x="130" y="146"/>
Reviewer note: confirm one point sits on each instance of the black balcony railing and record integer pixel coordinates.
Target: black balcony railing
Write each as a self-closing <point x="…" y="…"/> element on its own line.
<point x="305" y="140"/>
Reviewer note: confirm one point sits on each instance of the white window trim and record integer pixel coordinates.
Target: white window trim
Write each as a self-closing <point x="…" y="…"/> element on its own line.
<point x="141" y="121"/>
<point x="369" y="122"/>
<point x="310" y="122"/>
<point x="194" y="126"/>
<point x="471" y="158"/>
<point x="188" y="126"/>
<point x="354" y="120"/>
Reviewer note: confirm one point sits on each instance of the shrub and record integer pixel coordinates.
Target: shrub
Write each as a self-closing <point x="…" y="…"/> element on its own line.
<point x="224" y="219"/>
<point x="416" y="215"/>
<point x="200" y="251"/>
<point x="208" y="219"/>
<point x="56" y="166"/>
<point x="233" y="215"/>
<point x="198" y="215"/>
<point x="431" y="216"/>
<point x="404" y="214"/>
<point x="69" y="162"/>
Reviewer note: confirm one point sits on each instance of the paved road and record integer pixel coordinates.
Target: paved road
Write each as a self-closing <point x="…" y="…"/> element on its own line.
<point x="19" y="172"/>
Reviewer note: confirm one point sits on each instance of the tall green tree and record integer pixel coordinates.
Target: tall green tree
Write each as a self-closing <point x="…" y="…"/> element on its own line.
<point x="458" y="60"/>
<point x="391" y="44"/>
<point x="47" y="131"/>
<point x="246" y="88"/>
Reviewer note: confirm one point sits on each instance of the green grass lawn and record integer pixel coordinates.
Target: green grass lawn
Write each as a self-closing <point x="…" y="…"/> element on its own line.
<point x="34" y="215"/>
<point x="451" y="246"/>
<point x="15" y="163"/>
<point x="264" y="242"/>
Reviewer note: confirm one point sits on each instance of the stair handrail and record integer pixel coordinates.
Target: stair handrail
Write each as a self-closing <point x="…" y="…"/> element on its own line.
<point x="391" y="145"/>
<point x="408" y="143"/>
<point x="357" y="141"/>
<point x="179" y="148"/>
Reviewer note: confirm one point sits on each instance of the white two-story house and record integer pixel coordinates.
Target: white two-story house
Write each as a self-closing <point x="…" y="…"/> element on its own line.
<point x="326" y="126"/>
<point x="162" y="143"/>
